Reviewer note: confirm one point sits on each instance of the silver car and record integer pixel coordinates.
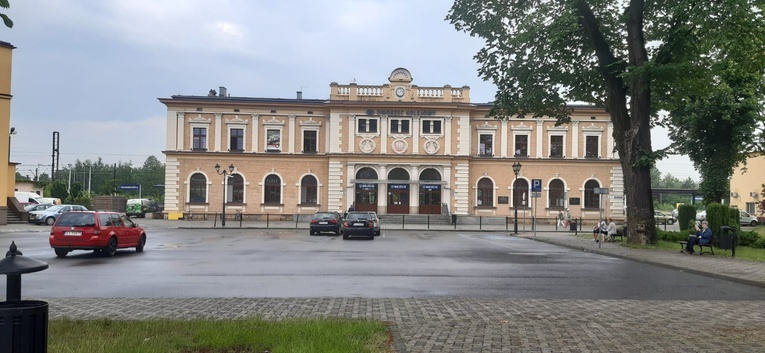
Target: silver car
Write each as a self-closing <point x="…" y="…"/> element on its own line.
<point x="49" y="216"/>
<point x="373" y="217"/>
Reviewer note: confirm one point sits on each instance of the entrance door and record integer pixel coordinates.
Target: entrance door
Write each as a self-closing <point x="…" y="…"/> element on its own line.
<point x="430" y="199"/>
<point x="398" y="198"/>
<point x="366" y="197"/>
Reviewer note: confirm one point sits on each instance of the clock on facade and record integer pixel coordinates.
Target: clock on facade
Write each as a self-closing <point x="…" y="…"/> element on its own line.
<point x="400" y="91"/>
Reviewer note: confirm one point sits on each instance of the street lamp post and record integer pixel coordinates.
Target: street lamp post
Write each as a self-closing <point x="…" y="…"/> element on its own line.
<point x="516" y="170"/>
<point x="226" y="174"/>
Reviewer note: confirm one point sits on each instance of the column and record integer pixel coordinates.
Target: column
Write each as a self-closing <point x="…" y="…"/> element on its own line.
<point x="540" y="128"/>
<point x="447" y="135"/>
<point x="218" y="132"/>
<point x="416" y="134"/>
<point x="575" y="139"/>
<point x="382" y="190"/>
<point x="351" y="133"/>
<point x="383" y="134"/>
<point x="610" y="142"/>
<point x="255" y="129"/>
<point x="414" y="191"/>
<point x="291" y="133"/>
<point x="177" y="143"/>
<point x="503" y="139"/>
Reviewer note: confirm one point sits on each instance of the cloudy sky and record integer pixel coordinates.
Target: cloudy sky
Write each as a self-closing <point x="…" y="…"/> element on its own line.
<point x="93" y="70"/>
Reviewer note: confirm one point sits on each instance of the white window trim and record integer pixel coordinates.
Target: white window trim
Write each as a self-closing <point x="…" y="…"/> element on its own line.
<point x="358" y="125"/>
<point x="188" y="186"/>
<point x="427" y="121"/>
<point x="232" y="126"/>
<point x="281" y="187"/>
<point x="599" y="135"/>
<point x="205" y="126"/>
<point x="390" y="119"/>
<point x="302" y="139"/>
<point x="229" y="196"/>
<point x="528" y="141"/>
<point x="478" y="142"/>
<point x="300" y="188"/>
<point x="550" y="134"/>
<point x="494" y="189"/>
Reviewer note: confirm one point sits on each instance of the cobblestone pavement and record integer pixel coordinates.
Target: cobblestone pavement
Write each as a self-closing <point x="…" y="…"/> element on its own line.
<point x="495" y="325"/>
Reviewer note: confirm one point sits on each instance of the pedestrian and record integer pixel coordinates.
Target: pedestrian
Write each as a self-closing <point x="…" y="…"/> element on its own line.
<point x="561" y="222"/>
<point x="600" y="228"/>
<point x="567" y="217"/>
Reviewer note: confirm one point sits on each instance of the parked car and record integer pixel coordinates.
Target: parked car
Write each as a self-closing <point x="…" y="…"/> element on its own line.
<point x="675" y="213"/>
<point x="358" y="223"/>
<point x="140" y="207"/>
<point x="701" y="216"/>
<point x="747" y="219"/>
<point x="37" y="207"/>
<point x="28" y="198"/>
<point x="49" y="215"/>
<point x="376" y="221"/>
<point x="662" y="218"/>
<point x="95" y="230"/>
<point x="326" y="222"/>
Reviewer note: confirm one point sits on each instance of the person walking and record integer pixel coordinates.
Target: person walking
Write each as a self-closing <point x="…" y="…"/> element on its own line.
<point x="561" y="222"/>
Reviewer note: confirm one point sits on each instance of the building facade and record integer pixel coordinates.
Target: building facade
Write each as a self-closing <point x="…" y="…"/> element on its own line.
<point x="746" y="185"/>
<point x="395" y="148"/>
<point x="7" y="168"/>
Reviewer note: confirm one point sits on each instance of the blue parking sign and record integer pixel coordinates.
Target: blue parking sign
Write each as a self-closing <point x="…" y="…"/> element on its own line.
<point x="536" y="185"/>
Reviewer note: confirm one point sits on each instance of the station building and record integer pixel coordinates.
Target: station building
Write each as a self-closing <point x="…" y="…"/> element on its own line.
<point x="393" y="148"/>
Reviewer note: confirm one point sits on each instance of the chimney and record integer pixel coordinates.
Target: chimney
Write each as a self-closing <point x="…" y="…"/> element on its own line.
<point x="222" y="92"/>
<point x="299" y="94"/>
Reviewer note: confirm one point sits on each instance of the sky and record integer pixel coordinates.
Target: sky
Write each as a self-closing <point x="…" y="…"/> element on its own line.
<point x="93" y="70"/>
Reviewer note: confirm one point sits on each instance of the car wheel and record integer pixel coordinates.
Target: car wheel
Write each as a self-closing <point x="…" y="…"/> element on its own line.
<point x="61" y="252"/>
<point x="50" y="220"/>
<point x="372" y="237"/>
<point x="311" y="232"/>
<point x="345" y="236"/>
<point x="670" y="221"/>
<point x="753" y="224"/>
<point x="141" y="244"/>
<point x="111" y="247"/>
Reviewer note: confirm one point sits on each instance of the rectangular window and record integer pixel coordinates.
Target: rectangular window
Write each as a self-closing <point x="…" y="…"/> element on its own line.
<point x="200" y="138"/>
<point x="310" y="141"/>
<point x="485" y="146"/>
<point x="521" y="145"/>
<point x="236" y="140"/>
<point x="399" y="126"/>
<point x="750" y="207"/>
<point x="367" y="126"/>
<point x="431" y="126"/>
<point x="592" y="147"/>
<point x="556" y="146"/>
<point x="273" y="141"/>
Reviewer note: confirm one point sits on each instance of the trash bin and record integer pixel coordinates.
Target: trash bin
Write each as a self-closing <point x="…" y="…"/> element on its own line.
<point x="454" y="219"/>
<point x="23" y="323"/>
<point x="573" y="225"/>
<point x="727" y="239"/>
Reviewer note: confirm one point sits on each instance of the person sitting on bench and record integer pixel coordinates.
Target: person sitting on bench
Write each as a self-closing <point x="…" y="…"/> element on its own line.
<point x="703" y="236"/>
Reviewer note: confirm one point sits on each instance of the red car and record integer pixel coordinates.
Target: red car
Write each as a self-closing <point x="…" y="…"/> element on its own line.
<point x="95" y="230"/>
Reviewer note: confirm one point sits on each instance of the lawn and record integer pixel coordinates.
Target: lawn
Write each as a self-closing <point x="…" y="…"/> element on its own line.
<point x="215" y="336"/>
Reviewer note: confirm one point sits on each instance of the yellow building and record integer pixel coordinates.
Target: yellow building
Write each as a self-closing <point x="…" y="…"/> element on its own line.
<point x="395" y="148"/>
<point x="746" y="185"/>
<point x="7" y="169"/>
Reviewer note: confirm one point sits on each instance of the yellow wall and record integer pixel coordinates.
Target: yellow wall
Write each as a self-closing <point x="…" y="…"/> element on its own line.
<point x="7" y="170"/>
<point x="746" y="183"/>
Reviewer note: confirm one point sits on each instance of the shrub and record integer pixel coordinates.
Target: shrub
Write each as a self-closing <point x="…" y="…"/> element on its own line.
<point x="717" y="216"/>
<point x="759" y="244"/>
<point x="686" y="215"/>
<point x="671" y="236"/>
<point x="749" y="239"/>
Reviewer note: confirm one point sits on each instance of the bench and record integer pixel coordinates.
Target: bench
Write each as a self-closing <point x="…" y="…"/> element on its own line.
<point x="683" y="244"/>
<point x="619" y="233"/>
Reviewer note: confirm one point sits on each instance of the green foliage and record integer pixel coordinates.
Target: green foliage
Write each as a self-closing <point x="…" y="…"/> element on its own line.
<point x="103" y="179"/>
<point x="751" y="239"/>
<point x="59" y="190"/>
<point x="719" y="215"/>
<point x="686" y="217"/>
<point x="671" y="236"/>
<point x="6" y="20"/>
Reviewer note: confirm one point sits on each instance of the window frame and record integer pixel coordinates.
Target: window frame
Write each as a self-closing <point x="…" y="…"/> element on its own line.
<point x="233" y="194"/>
<point x="366" y="122"/>
<point x="484" y="153"/>
<point x="587" y="151"/>
<point x="431" y="124"/>
<point x="306" y="141"/>
<point x="272" y="191"/>
<point x="278" y="140"/>
<point x="515" y="145"/>
<point x="307" y="190"/>
<point x="554" y="191"/>
<point x="240" y="139"/>
<point x="562" y="145"/>
<point x="591" y="200"/>
<point x="401" y="125"/>
<point x="199" y="142"/>
<point x="201" y="185"/>
<point x="482" y="190"/>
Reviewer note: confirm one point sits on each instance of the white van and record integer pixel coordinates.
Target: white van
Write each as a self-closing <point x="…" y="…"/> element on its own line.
<point x="747" y="219"/>
<point x="27" y="198"/>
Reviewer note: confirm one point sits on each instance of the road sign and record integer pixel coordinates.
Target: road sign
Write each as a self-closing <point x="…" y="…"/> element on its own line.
<point x="129" y="187"/>
<point x="536" y="185"/>
<point x="536" y="194"/>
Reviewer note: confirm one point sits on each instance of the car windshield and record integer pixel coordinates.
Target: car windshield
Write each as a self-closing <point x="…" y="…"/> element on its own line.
<point x="54" y="208"/>
<point x="76" y="220"/>
<point x="323" y="215"/>
<point x="357" y="217"/>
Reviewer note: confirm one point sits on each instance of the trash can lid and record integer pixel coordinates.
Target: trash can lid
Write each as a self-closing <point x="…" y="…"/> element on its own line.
<point x="15" y="263"/>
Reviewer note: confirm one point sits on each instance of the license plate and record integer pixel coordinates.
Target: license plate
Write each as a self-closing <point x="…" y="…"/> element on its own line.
<point x="73" y="233"/>
<point x="358" y="224"/>
<point x="323" y="223"/>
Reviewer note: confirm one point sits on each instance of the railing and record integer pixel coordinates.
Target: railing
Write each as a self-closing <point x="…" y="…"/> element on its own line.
<point x="344" y="90"/>
<point x="430" y="92"/>
<point x="369" y="91"/>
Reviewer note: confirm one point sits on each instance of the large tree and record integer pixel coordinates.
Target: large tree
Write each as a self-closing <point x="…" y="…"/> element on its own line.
<point x="628" y="56"/>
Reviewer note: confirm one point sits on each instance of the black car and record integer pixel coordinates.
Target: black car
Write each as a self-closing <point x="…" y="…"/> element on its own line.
<point x="359" y="224"/>
<point x="326" y="222"/>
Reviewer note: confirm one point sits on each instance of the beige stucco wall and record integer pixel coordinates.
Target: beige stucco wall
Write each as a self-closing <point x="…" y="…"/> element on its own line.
<point x="746" y="184"/>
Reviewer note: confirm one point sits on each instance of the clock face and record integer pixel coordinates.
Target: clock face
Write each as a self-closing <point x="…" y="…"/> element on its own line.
<point x="400" y="91"/>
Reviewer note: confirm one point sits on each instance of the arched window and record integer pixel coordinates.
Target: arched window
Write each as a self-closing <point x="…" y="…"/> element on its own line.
<point x="198" y="188"/>
<point x="398" y="174"/>
<point x="521" y="193"/>
<point x="273" y="189"/>
<point x="366" y="173"/>
<point x="556" y="194"/>
<point x="591" y="199"/>
<point x="430" y="174"/>
<point x="235" y="189"/>
<point x="485" y="192"/>
<point x="309" y="190"/>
